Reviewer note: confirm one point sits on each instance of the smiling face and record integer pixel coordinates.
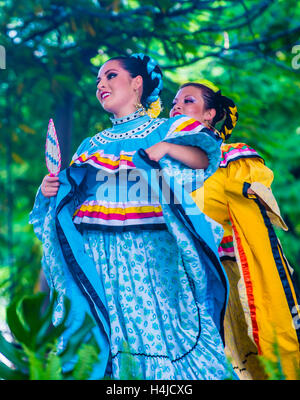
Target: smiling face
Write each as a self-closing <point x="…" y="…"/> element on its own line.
<point x="189" y="101"/>
<point x="117" y="91"/>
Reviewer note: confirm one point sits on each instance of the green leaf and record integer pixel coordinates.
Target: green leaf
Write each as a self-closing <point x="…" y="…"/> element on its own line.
<point x="77" y="338"/>
<point x="36" y="367"/>
<point x="8" y="373"/>
<point x="273" y="368"/>
<point x="87" y="357"/>
<point x="17" y="328"/>
<point x="46" y="321"/>
<point x="53" y="369"/>
<point x="14" y="355"/>
<point x="31" y="307"/>
<point x="50" y="335"/>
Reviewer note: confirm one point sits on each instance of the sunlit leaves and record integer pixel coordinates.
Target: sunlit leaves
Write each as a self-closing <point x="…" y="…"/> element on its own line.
<point x="55" y="47"/>
<point x="32" y="352"/>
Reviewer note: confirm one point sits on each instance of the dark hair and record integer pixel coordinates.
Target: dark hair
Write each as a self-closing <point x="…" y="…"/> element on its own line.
<point x="152" y="82"/>
<point x="225" y="108"/>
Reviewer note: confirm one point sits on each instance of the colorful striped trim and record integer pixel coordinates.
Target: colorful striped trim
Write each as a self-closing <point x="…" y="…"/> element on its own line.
<point x="233" y="152"/>
<point x="108" y="162"/>
<point x="97" y="307"/>
<point x="201" y="246"/>
<point x="289" y="286"/>
<point x="226" y="248"/>
<point x="118" y="214"/>
<point x="248" y="285"/>
<point x="185" y="124"/>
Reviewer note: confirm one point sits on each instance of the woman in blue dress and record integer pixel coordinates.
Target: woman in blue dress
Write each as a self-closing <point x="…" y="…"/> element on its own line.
<point x="125" y="243"/>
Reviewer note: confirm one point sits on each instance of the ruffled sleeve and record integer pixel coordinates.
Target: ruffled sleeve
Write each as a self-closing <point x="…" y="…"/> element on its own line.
<point x="84" y="146"/>
<point x="38" y="213"/>
<point x="41" y="203"/>
<point x="252" y="173"/>
<point x="266" y="289"/>
<point x="189" y="132"/>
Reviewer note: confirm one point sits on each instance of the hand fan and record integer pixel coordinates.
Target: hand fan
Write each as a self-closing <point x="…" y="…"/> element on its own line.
<point x="52" y="153"/>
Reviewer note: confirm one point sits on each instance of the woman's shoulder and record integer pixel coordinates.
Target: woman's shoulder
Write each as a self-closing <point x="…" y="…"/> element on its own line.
<point x="120" y="137"/>
<point x="84" y="145"/>
<point x="182" y="124"/>
<point x="232" y="152"/>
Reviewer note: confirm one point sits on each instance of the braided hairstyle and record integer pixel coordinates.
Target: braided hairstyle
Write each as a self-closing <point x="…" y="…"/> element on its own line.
<point x="147" y="67"/>
<point x="226" y="110"/>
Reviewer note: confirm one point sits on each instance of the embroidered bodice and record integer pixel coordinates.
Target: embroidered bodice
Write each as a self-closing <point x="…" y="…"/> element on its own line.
<point x="114" y="194"/>
<point x="133" y="126"/>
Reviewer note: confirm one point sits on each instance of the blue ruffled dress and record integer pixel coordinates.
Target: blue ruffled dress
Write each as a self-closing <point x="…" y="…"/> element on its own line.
<point x="124" y="249"/>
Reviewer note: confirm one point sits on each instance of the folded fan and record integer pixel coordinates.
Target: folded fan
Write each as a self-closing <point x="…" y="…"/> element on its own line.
<point x="53" y="156"/>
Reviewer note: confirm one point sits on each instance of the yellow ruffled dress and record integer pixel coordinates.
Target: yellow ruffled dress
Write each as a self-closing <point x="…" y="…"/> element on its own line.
<point x="263" y="303"/>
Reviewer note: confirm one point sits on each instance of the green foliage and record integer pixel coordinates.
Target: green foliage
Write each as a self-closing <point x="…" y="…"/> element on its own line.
<point x="53" y="51"/>
<point x="128" y="365"/>
<point x="273" y="368"/>
<point x="33" y="352"/>
<point x="87" y="357"/>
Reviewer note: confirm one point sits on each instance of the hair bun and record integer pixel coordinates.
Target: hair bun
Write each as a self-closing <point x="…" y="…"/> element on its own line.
<point x="230" y="119"/>
<point x="226" y="110"/>
<point x="155" y="75"/>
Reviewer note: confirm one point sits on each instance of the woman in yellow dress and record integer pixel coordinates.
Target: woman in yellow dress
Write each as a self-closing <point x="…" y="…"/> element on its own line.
<point x="262" y="311"/>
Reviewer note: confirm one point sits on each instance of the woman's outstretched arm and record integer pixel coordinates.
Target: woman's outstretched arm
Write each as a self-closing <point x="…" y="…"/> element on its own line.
<point x="191" y="156"/>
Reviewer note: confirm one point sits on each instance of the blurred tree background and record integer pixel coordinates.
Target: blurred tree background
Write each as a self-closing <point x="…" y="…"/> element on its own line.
<point x="53" y="52"/>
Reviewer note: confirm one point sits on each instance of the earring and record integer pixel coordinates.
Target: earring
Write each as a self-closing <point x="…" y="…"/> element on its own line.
<point x="207" y="123"/>
<point x="139" y="106"/>
<point x="210" y="126"/>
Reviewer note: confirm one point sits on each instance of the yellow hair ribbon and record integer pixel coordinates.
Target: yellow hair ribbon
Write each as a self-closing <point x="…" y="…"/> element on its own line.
<point x="233" y="112"/>
<point x="209" y="84"/>
<point x="225" y="131"/>
<point x="154" y="109"/>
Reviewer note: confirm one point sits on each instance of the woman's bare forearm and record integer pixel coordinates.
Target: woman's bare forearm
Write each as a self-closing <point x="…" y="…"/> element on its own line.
<point x="191" y="156"/>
